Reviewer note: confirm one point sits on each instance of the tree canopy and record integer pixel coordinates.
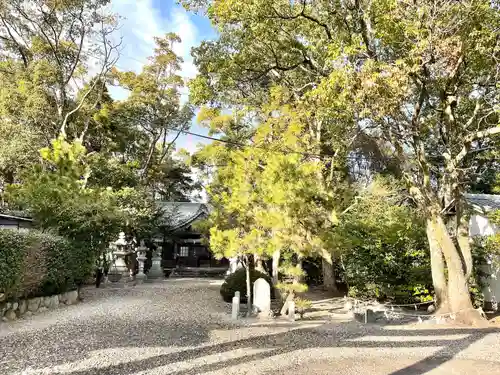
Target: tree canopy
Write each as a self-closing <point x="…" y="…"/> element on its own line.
<point x="81" y="163"/>
<point x="418" y="82"/>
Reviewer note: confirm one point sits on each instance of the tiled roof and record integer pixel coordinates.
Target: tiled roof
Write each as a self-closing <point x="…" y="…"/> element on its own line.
<point x="15" y="217"/>
<point x="483" y="202"/>
<point x="181" y="214"/>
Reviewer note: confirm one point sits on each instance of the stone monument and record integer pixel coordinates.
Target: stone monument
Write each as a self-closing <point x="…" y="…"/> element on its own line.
<point x="235" y="311"/>
<point x="156" y="270"/>
<point x="262" y="297"/>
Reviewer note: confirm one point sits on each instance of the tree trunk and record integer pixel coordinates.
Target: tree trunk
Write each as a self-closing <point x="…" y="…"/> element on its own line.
<point x="328" y="272"/>
<point x="289" y="298"/>
<point x="299" y="279"/>
<point x="249" y="287"/>
<point x="463" y="240"/>
<point x="276" y="263"/>
<point x="258" y="263"/>
<point x="459" y="301"/>
<point x="437" y="269"/>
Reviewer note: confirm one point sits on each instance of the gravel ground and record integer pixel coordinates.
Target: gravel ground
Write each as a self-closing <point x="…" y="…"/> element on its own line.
<point x="181" y="327"/>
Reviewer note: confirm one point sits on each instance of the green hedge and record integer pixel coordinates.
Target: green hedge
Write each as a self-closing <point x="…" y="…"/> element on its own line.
<point x="238" y="282"/>
<point x="33" y="263"/>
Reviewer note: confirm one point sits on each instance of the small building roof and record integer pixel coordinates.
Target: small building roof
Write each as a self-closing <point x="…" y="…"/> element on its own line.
<point x="483" y="202"/>
<point x="15" y="217"/>
<point x="182" y="214"/>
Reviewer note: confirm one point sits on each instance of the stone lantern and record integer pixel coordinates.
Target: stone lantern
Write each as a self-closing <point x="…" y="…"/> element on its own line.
<point x="156" y="270"/>
<point x="141" y="257"/>
<point x="119" y="254"/>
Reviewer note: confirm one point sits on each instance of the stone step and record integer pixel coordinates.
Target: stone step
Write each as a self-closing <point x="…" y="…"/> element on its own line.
<point x="197" y="272"/>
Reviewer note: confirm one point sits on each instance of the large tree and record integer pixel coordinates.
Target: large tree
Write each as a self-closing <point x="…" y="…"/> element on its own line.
<point x="264" y="194"/>
<point x="56" y="60"/>
<point x="154" y="104"/>
<point x="420" y="78"/>
<point x="49" y="49"/>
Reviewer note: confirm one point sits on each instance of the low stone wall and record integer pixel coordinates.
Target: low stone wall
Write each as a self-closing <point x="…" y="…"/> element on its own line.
<point x="27" y="307"/>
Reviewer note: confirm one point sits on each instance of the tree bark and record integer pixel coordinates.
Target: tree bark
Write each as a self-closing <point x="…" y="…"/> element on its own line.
<point x="328" y="272"/>
<point x="463" y="240"/>
<point x="258" y="263"/>
<point x="459" y="300"/>
<point x="289" y="298"/>
<point x="437" y="269"/>
<point x="276" y="263"/>
<point x="249" y="287"/>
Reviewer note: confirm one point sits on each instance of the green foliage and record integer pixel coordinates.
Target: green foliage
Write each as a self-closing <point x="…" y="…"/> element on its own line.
<point x="96" y="142"/>
<point x="265" y="200"/>
<point x="33" y="263"/>
<point x="385" y="252"/>
<point x="483" y="253"/>
<point x="237" y="282"/>
<point x="13" y="245"/>
<point x="402" y="75"/>
<point x="56" y="196"/>
<point x="492" y="243"/>
<point x="291" y="275"/>
<point x="302" y="305"/>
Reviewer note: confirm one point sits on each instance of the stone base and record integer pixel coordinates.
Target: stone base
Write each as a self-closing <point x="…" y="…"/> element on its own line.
<point x="153" y="279"/>
<point x="265" y="316"/>
<point x="27" y="307"/>
<point x="366" y="317"/>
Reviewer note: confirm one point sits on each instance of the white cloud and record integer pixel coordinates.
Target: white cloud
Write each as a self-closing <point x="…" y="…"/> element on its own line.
<point x="141" y="23"/>
<point x="188" y="32"/>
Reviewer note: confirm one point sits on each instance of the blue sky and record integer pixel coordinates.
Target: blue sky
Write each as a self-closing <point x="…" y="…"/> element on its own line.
<point x="145" y="19"/>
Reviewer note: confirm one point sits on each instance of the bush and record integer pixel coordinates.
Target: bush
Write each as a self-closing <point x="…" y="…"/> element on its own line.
<point x="385" y="253"/>
<point x="33" y="264"/>
<point x="302" y="305"/>
<point x="238" y="282"/>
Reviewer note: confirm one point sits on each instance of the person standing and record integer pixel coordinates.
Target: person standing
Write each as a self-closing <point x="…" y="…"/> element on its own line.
<point x="99" y="271"/>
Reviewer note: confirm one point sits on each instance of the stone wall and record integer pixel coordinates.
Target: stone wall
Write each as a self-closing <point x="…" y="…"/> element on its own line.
<point x="27" y="307"/>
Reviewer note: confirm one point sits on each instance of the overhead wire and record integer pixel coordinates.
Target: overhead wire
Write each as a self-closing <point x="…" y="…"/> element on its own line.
<point x="226" y="141"/>
<point x="239" y="144"/>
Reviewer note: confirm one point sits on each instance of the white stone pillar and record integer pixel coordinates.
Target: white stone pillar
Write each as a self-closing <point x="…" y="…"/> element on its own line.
<point x="236" y="306"/>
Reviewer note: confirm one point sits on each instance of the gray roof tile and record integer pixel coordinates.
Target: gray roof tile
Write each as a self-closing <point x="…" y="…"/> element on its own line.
<point x="483" y="202"/>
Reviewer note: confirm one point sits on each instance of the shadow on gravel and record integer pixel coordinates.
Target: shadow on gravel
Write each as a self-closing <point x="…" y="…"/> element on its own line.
<point x="311" y="338"/>
<point x="71" y="343"/>
<point x="103" y="334"/>
<point x="74" y="341"/>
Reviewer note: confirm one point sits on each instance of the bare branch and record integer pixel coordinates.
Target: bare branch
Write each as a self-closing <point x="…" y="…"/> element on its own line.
<point x="79" y="52"/>
<point x="170" y="145"/>
<point x="482" y="134"/>
<point x="366" y="31"/>
<point x="306" y="16"/>
<point x="13" y="39"/>
<point x="62" y="130"/>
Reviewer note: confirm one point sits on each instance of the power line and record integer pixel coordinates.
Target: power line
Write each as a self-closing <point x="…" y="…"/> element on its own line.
<point x="234" y="143"/>
<point x="239" y="144"/>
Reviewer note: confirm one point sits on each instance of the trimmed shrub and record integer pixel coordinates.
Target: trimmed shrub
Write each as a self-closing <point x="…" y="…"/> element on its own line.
<point x="33" y="264"/>
<point x="238" y="282"/>
<point x="13" y="247"/>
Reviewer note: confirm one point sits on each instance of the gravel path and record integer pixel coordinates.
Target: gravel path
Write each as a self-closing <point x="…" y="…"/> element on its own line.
<point x="181" y="327"/>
